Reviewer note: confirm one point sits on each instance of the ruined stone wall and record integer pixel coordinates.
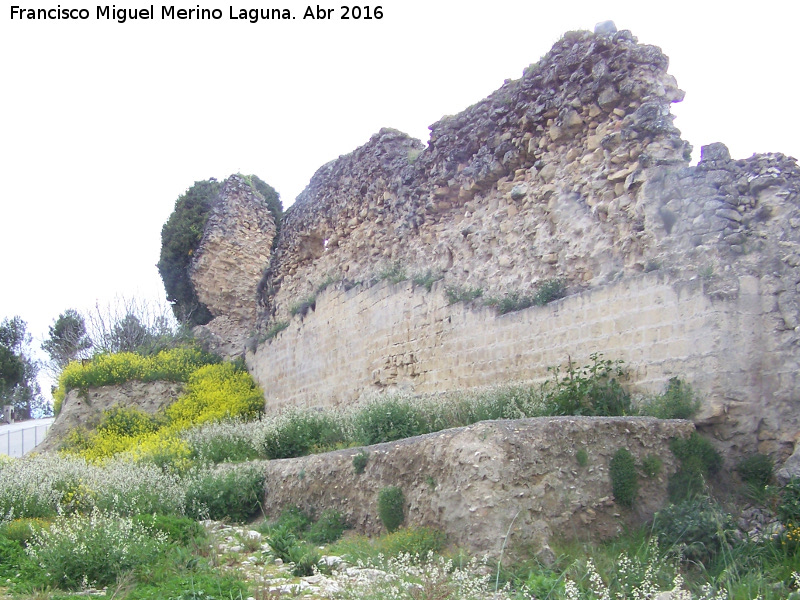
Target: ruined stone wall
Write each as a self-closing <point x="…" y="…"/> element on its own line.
<point x="480" y="483"/>
<point x="401" y="337"/>
<point x="538" y="180"/>
<point x="575" y="171"/>
<point x="230" y="262"/>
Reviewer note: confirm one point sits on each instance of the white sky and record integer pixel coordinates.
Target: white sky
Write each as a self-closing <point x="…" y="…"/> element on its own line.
<point x="104" y="125"/>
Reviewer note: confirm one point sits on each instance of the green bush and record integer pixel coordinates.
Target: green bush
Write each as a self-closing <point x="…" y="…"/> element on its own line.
<point x="789" y="504"/>
<point x="427" y="279"/>
<point x="549" y="291"/>
<point x="513" y="302"/>
<point x="180" y="238"/>
<point x="179" y="530"/>
<point x="415" y="541"/>
<point x="388" y="420"/>
<point x="698" y="527"/>
<point x="456" y="294"/>
<point x="394" y="272"/>
<point x="328" y="528"/>
<point x="592" y="390"/>
<point x="756" y="470"/>
<point x="273" y="331"/>
<point x="232" y="493"/>
<point x="677" y="402"/>
<point x="298" y="432"/>
<point x="651" y="465"/>
<point x="391" y="508"/>
<point x="302" y="307"/>
<point x="360" y="462"/>
<point x="304" y="559"/>
<point x="294" y="520"/>
<point x="698" y="459"/>
<point x="95" y="549"/>
<point x="624" y="477"/>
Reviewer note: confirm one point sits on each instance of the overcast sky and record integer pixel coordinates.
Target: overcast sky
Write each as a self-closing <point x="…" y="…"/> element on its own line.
<point x="104" y="124"/>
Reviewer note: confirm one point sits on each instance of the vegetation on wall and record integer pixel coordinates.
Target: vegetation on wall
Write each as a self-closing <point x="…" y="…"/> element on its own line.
<point x="180" y="238"/>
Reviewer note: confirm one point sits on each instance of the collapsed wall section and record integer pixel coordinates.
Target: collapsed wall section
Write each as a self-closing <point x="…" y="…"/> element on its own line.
<point x="478" y="484"/>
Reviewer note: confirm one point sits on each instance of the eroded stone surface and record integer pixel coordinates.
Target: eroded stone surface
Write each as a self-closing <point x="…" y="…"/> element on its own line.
<point x="472" y="482"/>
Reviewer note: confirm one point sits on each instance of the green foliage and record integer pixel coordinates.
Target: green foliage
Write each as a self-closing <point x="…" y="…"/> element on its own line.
<point x="177" y="364"/>
<point x="97" y="549"/>
<point x="19" y="386"/>
<point x="624" y="477"/>
<point x="179" y="530"/>
<point x="360" y="462"/>
<point x="231" y="493"/>
<point x="394" y="272"/>
<point x="293" y="520"/>
<point x="304" y="559"/>
<point x="180" y="238"/>
<point x="677" y="402"/>
<point x="416" y="541"/>
<point x="67" y="339"/>
<point x="299" y="432"/>
<point x="275" y="329"/>
<point x="391" y="507"/>
<point x="698" y="459"/>
<point x="427" y="278"/>
<point x="22" y="530"/>
<point x="456" y="294"/>
<point x="651" y="465"/>
<point x="789" y="505"/>
<point x="328" y="528"/>
<point x="756" y="470"/>
<point x="549" y="291"/>
<point x="582" y="457"/>
<point x="301" y="307"/>
<point x="698" y="527"/>
<point x="592" y="390"/>
<point x="386" y="421"/>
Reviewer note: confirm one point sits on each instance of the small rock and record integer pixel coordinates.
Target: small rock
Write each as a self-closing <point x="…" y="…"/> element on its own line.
<point x="605" y="28"/>
<point x="519" y="191"/>
<point x="715" y="151"/>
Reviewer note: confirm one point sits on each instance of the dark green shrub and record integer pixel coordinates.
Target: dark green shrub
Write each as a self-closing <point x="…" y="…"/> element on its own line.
<point x="756" y="470"/>
<point x="591" y="390"/>
<point x="180" y="238"/>
<point x="328" y="528"/>
<point x="416" y="541"/>
<point x="651" y="465"/>
<point x="304" y="558"/>
<point x="281" y="541"/>
<point x="789" y="505"/>
<point x="302" y="307"/>
<point x="427" y="279"/>
<point x="699" y="527"/>
<point x="513" y="302"/>
<point x="698" y="459"/>
<point x="233" y="493"/>
<point x="456" y="294"/>
<point x="294" y="520"/>
<point x="549" y="291"/>
<point x="624" y="478"/>
<point x="22" y="530"/>
<point x="180" y="530"/>
<point x="388" y="420"/>
<point x="300" y="432"/>
<point x="273" y="331"/>
<point x="582" y="457"/>
<point x="395" y="273"/>
<point x="360" y="462"/>
<point x="677" y="402"/>
<point x="391" y="508"/>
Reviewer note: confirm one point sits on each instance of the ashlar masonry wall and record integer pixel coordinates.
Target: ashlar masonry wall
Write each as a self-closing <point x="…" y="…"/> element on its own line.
<point x="402" y="337"/>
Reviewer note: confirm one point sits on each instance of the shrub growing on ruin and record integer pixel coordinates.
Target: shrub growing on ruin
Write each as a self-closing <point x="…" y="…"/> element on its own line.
<point x="391" y="508"/>
<point x="233" y="493"/>
<point x="676" y="402"/>
<point x="297" y="433"/>
<point x="789" y="505"/>
<point x="592" y="390"/>
<point x="698" y="459"/>
<point x="388" y="420"/>
<point x="360" y="462"/>
<point x="624" y="477"/>
<point x="180" y="238"/>
<point x="698" y="527"/>
<point x="328" y="528"/>
<point x="456" y="294"/>
<point x="756" y="470"/>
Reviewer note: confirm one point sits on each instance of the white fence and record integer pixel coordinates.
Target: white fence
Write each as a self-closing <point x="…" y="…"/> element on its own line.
<point x="17" y="442"/>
